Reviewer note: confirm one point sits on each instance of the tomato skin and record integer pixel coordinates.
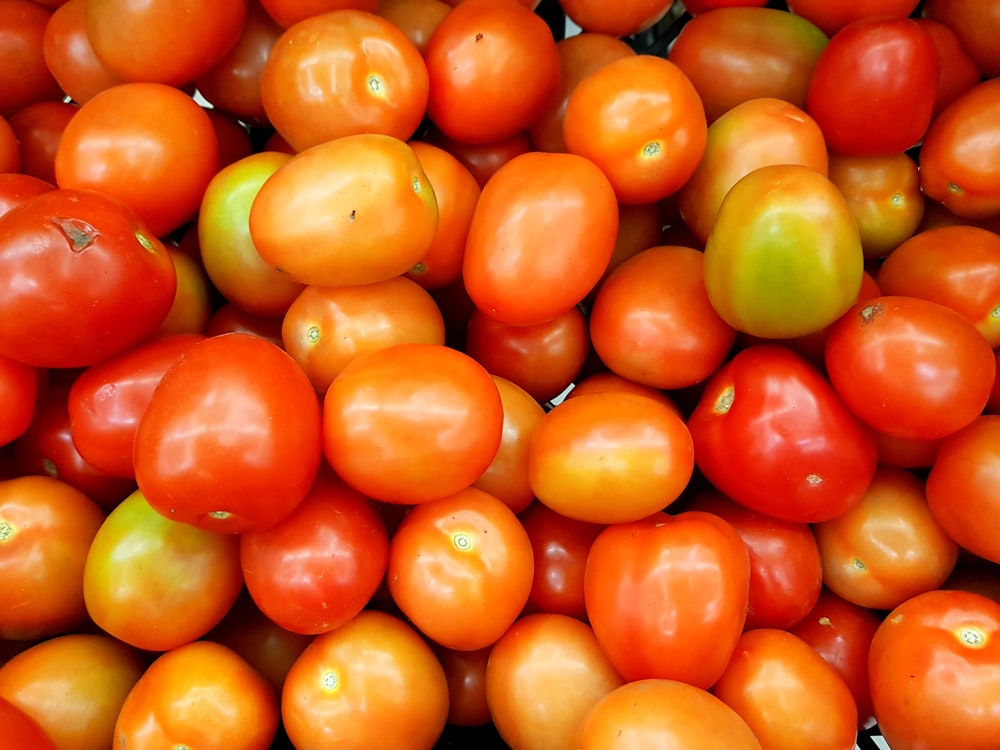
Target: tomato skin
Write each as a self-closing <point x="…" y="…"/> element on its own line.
<point x="289" y="12"/>
<point x="99" y="281"/>
<point x="959" y="71"/>
<point x="910" y="367"/>
<point x="768" y="410"/>
<point x="22" y="731"/>
<point x="70" y="56"/>
<point x="624" y="19"/>
<point x="18" y="394"/>
<point x="692" y="572"/>
<point x="248" y="412"/>
<point x="15" y="188"/>
<point x="975" y="24"/>
<point x="934" y="667"/>
<point x="39" y="128"/>
<point x="25" y="78"/>
<point x="831" y="18"/>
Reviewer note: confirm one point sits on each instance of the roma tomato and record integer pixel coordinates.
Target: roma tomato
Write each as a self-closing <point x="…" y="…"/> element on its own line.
<point x="692" y="573"/>
<point x="95" y="281"/>
<point x="784" y="257"/>
<point x="610" y="457"/>
<point x="934" y="665"/>
<point x="231" y="438"/>
<point x="541" y="237"/>
<point x="354" y="210"/>
<point x="910" y="367"/>
<point x="770" y="432"/>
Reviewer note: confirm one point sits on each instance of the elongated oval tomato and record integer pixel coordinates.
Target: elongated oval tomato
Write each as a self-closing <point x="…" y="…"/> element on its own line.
<point x="353" y="210"/>
<point x="541" y="237"/>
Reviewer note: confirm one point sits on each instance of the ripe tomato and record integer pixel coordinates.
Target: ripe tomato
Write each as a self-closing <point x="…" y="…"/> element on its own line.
<point x="70" y="56"/>
<point x="910" y="367"/>
<point x="832" y="17"/>
<point x="543" y="677"/>
<point x="692" y="574"/>
<point x="602" y="382"/>
<point x="128" y="142"/>
<point x="192" y="307"/>
<point x="461" y="568"/>
<point x="975" y="24"/>
<point x="19" y="390"/>
<point x="230" y="440"/>
<point x="959" y="71"/>
<point x="340" y="73"/>
<point x="93" y="280"/>
<point x="38" y="129"/>
<point x="867" y="550"/>
<point x="466" y="675"/>
<point x="289" y="12"/>
<point x="610" y="457"/>
<point x="784" y="257"/>
<point x="481" y="159"/>
<point x="620" y="19"/>
<point x="354" y="210"/>
<point x="46" y="528"/>
<point x="10" y="148"/>
<point x="665" y="714"/>
<point x="15" y="188"/>
<point x="934" y="666"/>
<point x="541" y="236"/>
<point x="373" y="682"/>
<point x="24" y="76"/>
<point x="22" y="731"/>
<point x="417" y="19"/>
<point x="771" y="433"/>
<point x="201" y="695"/>
<point x="787" y="693"/>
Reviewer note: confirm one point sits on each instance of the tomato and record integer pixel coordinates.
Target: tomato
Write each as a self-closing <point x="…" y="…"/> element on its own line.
<point x="354" y="210"/>
<point x="94" y="281"/>
<point x="787" y="693"/>
<point x="73" y="686"/>
<point x="960" y="154"/>
<point x="786" y="573"/>
<point x="417" y="19"/>
<point x="602" y="382"/>
<point x="349" y="682"/>
<point x="831" y="18"/>
<point x="543" y="677"/>
<point x="784" y="257"/>
<point x="70" y="56"/>
<point x="25" y="78"/>
<point x="652" y="322"/>
<point x="325" y="328"/>
<point x="640" y="227"/>
<point x="874" y="86"/>
<point x="841" y="632"/>
<point x="867" y="550"/>
<point x="975" y="24"/>
<point x="39" y="128"/>
<point x="466" y="675"/>
<point x="692" y="573"/>
<point x="934" y="667"/>
<point x="736" y="54"/>
<point x="959" y="72"/>
<point x="201" y="695"/>
<point x="342" y="73"/>
<point x="906" y="453"/>
<point x="106" y="401"/>
<point x="622" y="19"/>
<point x="10" y="148"/>
<point x="231" y="319"/>
<point x="610" y="457"/>
<point x="21" y="730"/>
<point x="638" y="118"/>
<point x="541" y="236"/>
<point x="960" y="485"/>
<point x="910" y="367"/>
<point x="665" y="714"/>
<point x="230" y="440"/>
<point x="770" y="432"/>
<point x="289" y="12"/>
<point x="163" y="41"/>
<point x="696" y="7"/>
<point x="411" y="422"/>
<point x="19" y="390"/>
<point x="481" y="159"/>
<point x="493" y="66"/>
<point x="461" y="569"/>
<point x="46" y="528"/>
<point x="192" y="307"/>
<point x="289" y="569"/>
<point x="15" y="188"/>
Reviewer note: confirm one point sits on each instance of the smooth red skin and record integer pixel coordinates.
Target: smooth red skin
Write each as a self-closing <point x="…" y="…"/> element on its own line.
<point x="24" y="77"/>
<point x="106" y="401"/>
<point x="18" y="393"/>
<point x="976" y="24"/>
<point x="786" y="424"/>
<point x="39" y="128"/>
<point x="16" y="188"/>
<point x="20" y="731"/>
<point x="959" y="72"/>
<point x="320" y="565"/>
<point x="691" y="572"/>
<point x="841" y="632"/>
<point x="786" y="572"/>
<point x="874" y="86"/>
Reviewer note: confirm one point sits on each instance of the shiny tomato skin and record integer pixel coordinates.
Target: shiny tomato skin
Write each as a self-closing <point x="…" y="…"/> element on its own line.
<point x="16" y="188"/>
<point x="22" y="731"/>
<point x="959" y="71"/>
<point x="26" y="78"/>
<point x="70" y="56"/>
<point x="19" y="389"/>
<point x="832" y="17"/>
<point x="933" y="667"/>
<point x="770" y="432"/>
<point x="622" y="19"/>
<point x="975" y="24"/>
<point x="250" y="415"/>
<point x="692" y="572"/>
<point x="95" y="280"/>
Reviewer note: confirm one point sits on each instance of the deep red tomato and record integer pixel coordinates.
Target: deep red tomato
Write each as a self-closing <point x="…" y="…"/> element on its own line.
<point x="976" y="25"/>
<point x="19" y="389"/>
<point x="93" y="280"/>
<point x="934" y="666"/>
<point x="466" y="675"/>
<point x="481" y="159"/>
<point x="39" y="128"/>
<point x="621" y="19"/>
<point x="832" y="17"/>
<point x="692" y="574"/>
<point x="15" y="188"/>
<point x="874" y="86"/>
<point x="24" y="76"/>
<point x="230" y="440"/>
<point x="231" y="319"/>
<point x="771" y="433"/>
<point x="70" y="56"/>
<point x="959" y="71"/>
<point x="910" y="367"/>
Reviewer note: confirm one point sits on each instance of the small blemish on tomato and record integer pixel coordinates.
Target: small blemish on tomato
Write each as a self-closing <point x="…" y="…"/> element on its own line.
<point x="479" y="38"/>
<point x="868" y="313"/>
<point x="725" y="401"/>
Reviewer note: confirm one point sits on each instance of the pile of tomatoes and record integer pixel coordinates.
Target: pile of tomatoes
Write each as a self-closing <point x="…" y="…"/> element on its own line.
<point x="375" y="369"/>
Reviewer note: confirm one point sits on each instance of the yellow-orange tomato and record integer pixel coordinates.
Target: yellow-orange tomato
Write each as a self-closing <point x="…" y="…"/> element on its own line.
<point x="354" y="210"/>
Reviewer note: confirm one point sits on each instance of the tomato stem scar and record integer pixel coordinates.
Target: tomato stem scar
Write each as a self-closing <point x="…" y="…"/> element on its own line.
<point x="6" y="531"/>
<point x="725" y="401"/>
<point x="972" y="637"/>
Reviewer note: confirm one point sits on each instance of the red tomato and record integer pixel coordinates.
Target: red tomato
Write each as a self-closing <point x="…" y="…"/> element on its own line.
<point x="19" y="390"/>
<point x="288" y="12"/>
<point x="231" y="319"/>
<point x="771" y="433"/>
<point x="874" y="86"/>
<point x="24" y="76"/>
<point x="832" y="17"/>
<point x="192" y="307"/>
<point x="692" y="574"/>
<point x="230" y="440"/>
<point x="934" y="666"/>
<point x="15" y="188"/>
<point x="415" y="18"/>
<point x="976" y="25"/>
<point x="22" y="731"/>
<point x="696" y="7"/>
<point x="910" y="367"/>
<point x="466" y="675"/>
<point x="620" y="19"/>
<point x="70" y="56"/>
<point x="39" y="128"/>
<point x="94" y="283"/>
<point x="481" y="159"/>
<point x="959" y="71"/>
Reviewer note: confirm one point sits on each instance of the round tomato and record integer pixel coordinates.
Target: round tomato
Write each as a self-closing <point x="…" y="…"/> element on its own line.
<point x="976" y="25"/>
<point x="19" y="390"/>
<point x="481" y="159"/>
<point x="466" y="675"/>
<point x="15" y="188"/>
<point x="21" y="731"/>
<point x="832" y="17"/>
<point x="70" y="56"/>
<point x="415" y="18"/>
<point x="621" y="19"/>
<point x="959" y="71"/>
<point x="289" y="12"/>
<point x="24" y="76"/>
<point x="39" y="128"/>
